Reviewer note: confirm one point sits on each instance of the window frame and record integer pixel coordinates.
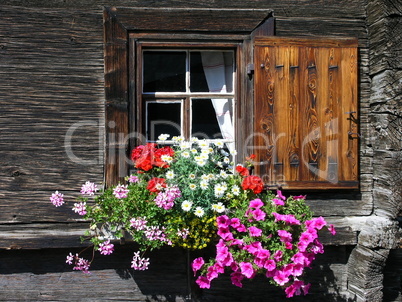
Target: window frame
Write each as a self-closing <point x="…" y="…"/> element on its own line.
<point x="138" y="98"/>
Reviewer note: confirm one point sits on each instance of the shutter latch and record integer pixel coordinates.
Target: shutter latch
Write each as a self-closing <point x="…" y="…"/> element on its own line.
<point x="250" y="69"/>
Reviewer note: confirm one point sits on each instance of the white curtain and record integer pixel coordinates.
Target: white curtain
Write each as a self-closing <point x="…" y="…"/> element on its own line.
<point x="218" y="69"/>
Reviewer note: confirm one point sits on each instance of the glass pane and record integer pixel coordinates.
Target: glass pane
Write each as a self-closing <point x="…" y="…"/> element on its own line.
<point x="211" y="71"/>
<point x="163" y="118"/>
<point x="164" y="71"/>
<point x="211" y="117"/>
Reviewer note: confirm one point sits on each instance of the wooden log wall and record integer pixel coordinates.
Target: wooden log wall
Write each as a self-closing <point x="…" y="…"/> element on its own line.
<point x="52" y="85"/>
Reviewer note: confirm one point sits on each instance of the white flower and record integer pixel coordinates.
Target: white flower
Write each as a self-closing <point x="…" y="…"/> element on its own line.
<point x="226" y="160"/>
<point x="204" y="185"/>
<point x="218" y="207"/>
<point x="201" y="163"/>
<point x="185" y="145"/>
<point x="178" y="138"/>
<point x="236" y="190"/>
<point x="194" y="139"/>
<point x="219" y="190"/>
<point x="205" y="152"/>
<point x="199" y="212"/>
<point x="223" y="174"/>
<point x="185" y="154"/>
<point x="205" y="177"/>
<point x="193" y="186"/>
<point x="191" y="176"/>
<point x="219" y="144"/>
<point x="194" y="151"/>
<point x="186" y="205"/>
<point x="170" y="174"/>
<point x="167" y="158"/>
<point x="163" y="137"/>
<point x="203" y="144"/>
<point x="211" y="176"/>
<point x="233" y="152"/>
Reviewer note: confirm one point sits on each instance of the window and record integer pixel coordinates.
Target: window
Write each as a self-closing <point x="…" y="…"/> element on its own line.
<point x="187" y="92"/>
<point x="290" y="101"/>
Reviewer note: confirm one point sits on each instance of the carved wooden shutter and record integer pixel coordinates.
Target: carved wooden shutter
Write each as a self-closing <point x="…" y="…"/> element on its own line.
<point x="306" y="112"/>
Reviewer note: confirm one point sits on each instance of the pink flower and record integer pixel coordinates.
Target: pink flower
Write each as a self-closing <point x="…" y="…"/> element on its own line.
<point x="197" y="264"/>
<point x="120" y="191"/>
<point x="278" y="255"/>
<point x="317" y="223"/>
<point x="139" y="263"/>
<point x="223" y="221"/>
<point x="89" y="188"/>
<point x="254" y="231"/>
<point x="82" y="264"/>
<point x="247" y="269"/>
<point x="279" y="195"/>
<point x="332" y="230"/>
<point x="317" y="247"/>
<point x="298" y="258"/>
<point x="299" y="197"/>
<point x="236" y="278"/>
<point x="214" y="271"/>
<point x="285" y="236"/>
<point x="253" y="248"/>
<point x="225" y="234"/>
<point x="203" y="282"/>
<point x="270" y="265"/>
<point x="289" y="218"/>
<point x="259" y="214"/>
<point x="106" y="248"/>
<point x="80" y="208"/>
<point x="256" y="203"/>
<point x="70" y="258"/>
<point x="278" y="202"/>
<point x="133" y="179"/>
<point x="57" y="199"/>
<point x="296" y="289"/>
<point x="281" y="278"/>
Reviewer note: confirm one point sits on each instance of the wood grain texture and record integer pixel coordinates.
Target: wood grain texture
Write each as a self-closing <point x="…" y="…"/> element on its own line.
<point x="314" y="137"/>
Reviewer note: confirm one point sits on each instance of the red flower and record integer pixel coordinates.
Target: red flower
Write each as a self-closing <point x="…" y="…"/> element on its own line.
<point x="243" y="171"/>
<point x="253" y="183"/>
<point x="158" y="156"/>
<point x="156" y="184"/>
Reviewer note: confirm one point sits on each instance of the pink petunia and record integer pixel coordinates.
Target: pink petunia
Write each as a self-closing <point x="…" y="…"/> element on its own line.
<point x="259" y="214"/>
<point x="317" y="223"/>
<point x="247" y="269"/>
<point x="256" y="203"/>
<point x="254" y="231"/>
<point x="197" y="264"/>
<point x="270" y="265"/>
<point x="281" y="278"/>
<point x="203" y="282"/>
<point x="280" y="195"/>
<point x="331" y="229"/>
<point x="236" y="278"/>
<point x="278" y="202"/>
<point x="223" y="221"/>
<point x="284" y="236"/>
<point x="224" y="233"/>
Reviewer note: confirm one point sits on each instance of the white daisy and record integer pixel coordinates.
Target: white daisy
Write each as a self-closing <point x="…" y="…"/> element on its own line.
<point x="218" y="207"/>
<point x="185" y="154"/>
<point x="199" y="212"/>
<point x="163" y="137"/>
<point x="186" y="205"/>
<point x="204" y="185"/>
<point x="193" y="186"/>
<point x="236" y="190"/>
<point x="170" y="174"/>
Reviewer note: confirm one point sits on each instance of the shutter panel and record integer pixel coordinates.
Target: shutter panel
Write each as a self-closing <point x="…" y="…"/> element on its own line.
<point x="305" y="105"/>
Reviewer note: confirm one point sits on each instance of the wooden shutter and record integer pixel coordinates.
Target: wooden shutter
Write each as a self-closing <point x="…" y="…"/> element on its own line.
<point x="306" y="112"/>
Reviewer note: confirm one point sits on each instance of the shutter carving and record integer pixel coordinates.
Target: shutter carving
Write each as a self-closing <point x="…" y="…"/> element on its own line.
<point x="305" y="108"/>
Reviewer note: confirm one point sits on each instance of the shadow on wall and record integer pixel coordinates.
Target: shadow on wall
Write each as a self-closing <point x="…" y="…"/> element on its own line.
<point x="43" y="275"/>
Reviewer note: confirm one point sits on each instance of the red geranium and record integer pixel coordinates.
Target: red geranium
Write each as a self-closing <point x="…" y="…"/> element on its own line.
<point x="243" y="171"/>
<point x="156" y="184"/>
<point x="158" y="156"/>
<point x="253" y="183"/>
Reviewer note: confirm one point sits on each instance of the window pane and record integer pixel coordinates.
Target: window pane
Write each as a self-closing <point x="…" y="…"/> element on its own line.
<point x="163" y="118"/>
<point x="164" y="71"/>
<point x="211" y="71"/>
<point x="211" y="117"/>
